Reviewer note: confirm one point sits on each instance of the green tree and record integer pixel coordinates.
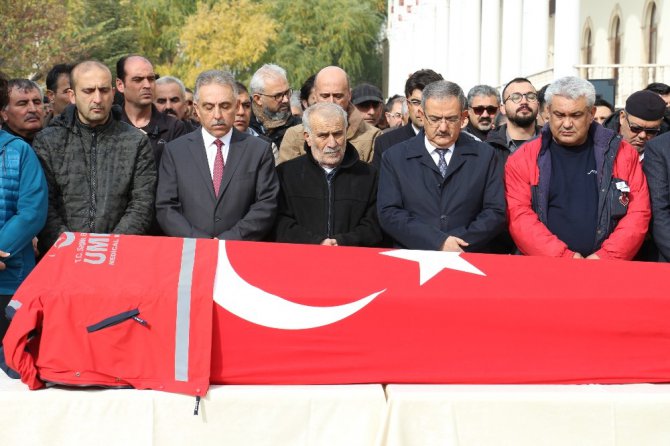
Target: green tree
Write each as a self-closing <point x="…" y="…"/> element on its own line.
<point x="30" y="41"/>
<point x="318" y="33"/>
<point x="228" y="34"/>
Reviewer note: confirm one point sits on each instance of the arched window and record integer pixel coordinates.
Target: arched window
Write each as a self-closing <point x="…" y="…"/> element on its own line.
<point x="588" y="47"/>
<point x="652" y="32"/>
<point x="616" y="40"/>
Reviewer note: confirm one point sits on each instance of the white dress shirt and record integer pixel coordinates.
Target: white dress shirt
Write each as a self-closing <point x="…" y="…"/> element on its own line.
<point x="210" y="147"/>
<point x="432" y="151"/>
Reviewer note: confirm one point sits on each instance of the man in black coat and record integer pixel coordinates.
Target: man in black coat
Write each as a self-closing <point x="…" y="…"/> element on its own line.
<point x="656" y="167"/>
<point x="328" y="196"/>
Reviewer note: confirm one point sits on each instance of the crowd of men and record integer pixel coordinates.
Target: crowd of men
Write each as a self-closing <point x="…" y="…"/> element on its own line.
<point x="555" y="172"/>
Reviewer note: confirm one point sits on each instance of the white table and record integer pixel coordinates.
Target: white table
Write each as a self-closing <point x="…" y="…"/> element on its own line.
<point x="229" y="415"/>
<point x="518" y="415"/>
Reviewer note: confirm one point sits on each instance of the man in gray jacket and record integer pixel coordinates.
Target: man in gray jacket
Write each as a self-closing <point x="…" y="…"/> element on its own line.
<point x="100" y="171"/>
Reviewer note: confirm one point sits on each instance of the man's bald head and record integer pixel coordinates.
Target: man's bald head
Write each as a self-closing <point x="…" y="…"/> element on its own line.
<point x="332" y="85"/>
<point x="85" y="67"/>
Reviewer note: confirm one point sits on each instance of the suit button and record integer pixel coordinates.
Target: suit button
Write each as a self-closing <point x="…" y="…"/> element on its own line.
<point x="443" y="217"/>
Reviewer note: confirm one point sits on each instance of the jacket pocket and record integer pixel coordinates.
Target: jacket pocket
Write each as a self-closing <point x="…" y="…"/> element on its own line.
<point x="116" y="319"/>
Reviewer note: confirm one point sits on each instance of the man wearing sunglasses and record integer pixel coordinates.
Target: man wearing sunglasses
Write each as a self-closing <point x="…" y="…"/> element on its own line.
<point x="483" y="106"/>
<point x="578" y="190"/>
<point x="640" y="120"/>
<point x="520" y="105"/>
<point x="271" y="104"/>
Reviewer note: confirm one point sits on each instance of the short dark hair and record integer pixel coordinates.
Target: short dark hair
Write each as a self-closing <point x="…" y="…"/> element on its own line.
<point x="540" y="96"/>
<point x="659" y="88"/>
<point x="600" y="102"/>
<point x="307" y="88"/>
<point x="55" y="73"/>
<point x="516" y="80"/>
<point x="419" y="80"/>
<point x="241" y="87"/>
<point x="121" y="66"/>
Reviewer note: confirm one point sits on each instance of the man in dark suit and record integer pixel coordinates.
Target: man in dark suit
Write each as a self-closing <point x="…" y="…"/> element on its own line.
<point x="442" y="190"/>
<point x="217" y="182"/>
<point x="656" y="167"/>
<point x="413" y="90"/>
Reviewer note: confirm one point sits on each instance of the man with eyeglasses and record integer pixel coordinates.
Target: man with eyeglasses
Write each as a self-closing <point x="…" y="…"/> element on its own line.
<point x="332" y="85"/>
<point x="640" y="120"/>
<point x="442" y="190"/>
<point x="396" y="111"/>
<point x="414" y="86"/>
<point x="271" y="104"/>
<point x="578" y="190"/>
<point x="483" y="106"/>
<point x="136" y="80"/>
<point x="520" y="105"/>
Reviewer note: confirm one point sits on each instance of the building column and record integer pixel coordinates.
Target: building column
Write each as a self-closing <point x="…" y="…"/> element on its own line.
<point x="489" y="65"/>
<point x="512" y="26"/>
<point x="535" y="42"/>
<point x="464" y="29"/>
<point x="567" y="33"/>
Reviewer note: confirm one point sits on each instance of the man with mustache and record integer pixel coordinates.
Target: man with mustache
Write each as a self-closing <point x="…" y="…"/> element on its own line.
<point x="23" y="115"/>
<point x="171" y="100"/>
<point x="483" y="106"/>
<point x="640" y="120"/>
<point x="100" y="171"/>
<point x="136" y="80"/>
<point x="328" y="196"/>
<point x="442" y="190"/>
<point x="332" y="85"/>
<point x="520" y="105"/>
<point x="217" y="182"/>
<point x="577" y="191"/>
<point x="271" y="104"/>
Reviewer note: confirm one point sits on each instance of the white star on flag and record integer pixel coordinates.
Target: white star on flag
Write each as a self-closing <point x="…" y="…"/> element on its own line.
<point x="432" y="262"/>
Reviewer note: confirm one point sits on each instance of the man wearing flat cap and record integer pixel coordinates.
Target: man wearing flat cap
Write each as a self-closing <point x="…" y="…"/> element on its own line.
<point x="368" y="100"/>
<point x="577" y="191"/>
<point x="640" y="120"/>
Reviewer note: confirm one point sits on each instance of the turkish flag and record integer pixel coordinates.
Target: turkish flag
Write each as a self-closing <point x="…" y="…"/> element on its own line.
<point x="488" y="319"/>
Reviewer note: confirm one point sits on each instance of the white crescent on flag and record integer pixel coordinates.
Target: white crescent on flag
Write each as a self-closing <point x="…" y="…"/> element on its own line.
<point x="262" y="308"/>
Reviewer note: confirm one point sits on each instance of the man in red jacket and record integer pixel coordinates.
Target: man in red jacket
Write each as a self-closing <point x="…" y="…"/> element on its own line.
<point x="578" y="190"/>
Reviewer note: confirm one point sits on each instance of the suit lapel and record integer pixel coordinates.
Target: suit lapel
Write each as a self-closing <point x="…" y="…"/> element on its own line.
<point x="418" y="150"/>
<point x="199" y="157"/>
<point x="461" y="153"/>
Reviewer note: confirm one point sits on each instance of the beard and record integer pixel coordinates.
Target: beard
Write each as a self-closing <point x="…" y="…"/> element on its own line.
<point x="279" y="115"/>
<point x="523" y="121"/>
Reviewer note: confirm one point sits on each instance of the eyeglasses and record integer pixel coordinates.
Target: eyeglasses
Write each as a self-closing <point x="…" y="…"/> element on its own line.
<point x="639" y="129"/>
<point x="516" y="97"/>
<point x="394" y="115"/>
<point x="279" y="96"/>
<point x="437" y="120"/>
<point x="479" y="110"/>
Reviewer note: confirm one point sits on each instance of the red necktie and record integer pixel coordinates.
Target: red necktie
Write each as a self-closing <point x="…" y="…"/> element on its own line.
<point x="218" y="167"/>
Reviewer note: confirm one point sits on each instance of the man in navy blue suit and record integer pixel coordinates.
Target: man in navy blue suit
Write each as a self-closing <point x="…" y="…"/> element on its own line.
<point x="440" y="190"/>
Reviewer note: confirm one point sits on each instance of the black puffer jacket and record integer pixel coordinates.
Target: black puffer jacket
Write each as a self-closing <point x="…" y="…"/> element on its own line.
<point x="100" y="179"/>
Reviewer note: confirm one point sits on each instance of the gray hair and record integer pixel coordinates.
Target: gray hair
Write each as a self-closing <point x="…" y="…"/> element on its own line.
<point x="267" y="71"/>
<point x="326" y="109"/>
<point x="393" y="101"/>
<point x="24" y="85"/>
<point x="571" y="87"/>
<point x="295" y="100"/>
<point x="443" y="90"/>
<point x="214" y="77"/>
<point x="172" y="80"/>
<point x="482" y="90"/>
